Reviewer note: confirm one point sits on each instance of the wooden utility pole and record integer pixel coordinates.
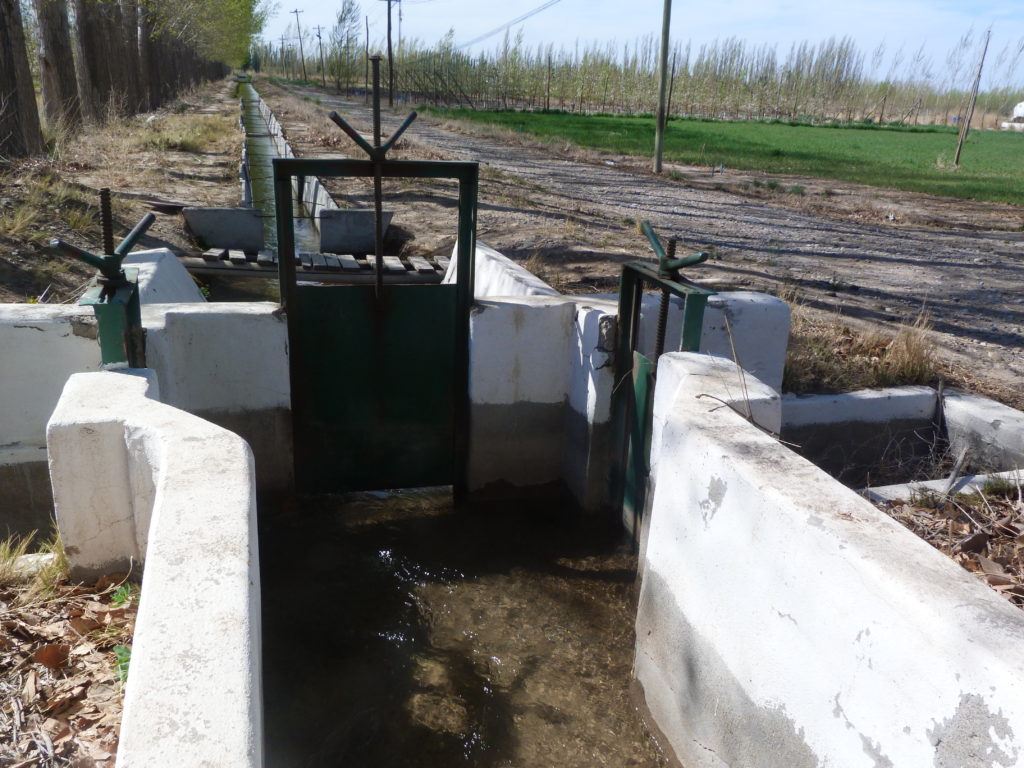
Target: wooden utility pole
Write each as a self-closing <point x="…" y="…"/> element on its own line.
<point x="966" y="126"/>
<point x="323" y="69"/>
<point x="391" y="61"/>
<point x="302" y="55"/>
<point x="659" y="128"/>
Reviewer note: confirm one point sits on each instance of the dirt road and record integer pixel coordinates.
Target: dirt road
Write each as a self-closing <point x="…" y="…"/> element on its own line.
<point x="967" y="279"/>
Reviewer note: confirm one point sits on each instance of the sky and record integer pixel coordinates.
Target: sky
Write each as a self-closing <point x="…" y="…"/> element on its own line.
<point x="936" y="25"/>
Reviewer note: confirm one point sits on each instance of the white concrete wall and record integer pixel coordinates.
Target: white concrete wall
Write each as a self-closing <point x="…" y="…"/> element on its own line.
<point x="518" y="386"/>
<point x="229" y="356"/>
<point x="873" y="406"/>
<point x="785" y="622"/>
<point x="42" y="345"/>
<point x="588" y="414"/>
<point x="496" y="275"/>
<point x="228" y="363"/>
<point x="162" y="278"/>
<point x="992" y="432"/>
<point x="758" y="323"/>
<point x="136" y="480"/>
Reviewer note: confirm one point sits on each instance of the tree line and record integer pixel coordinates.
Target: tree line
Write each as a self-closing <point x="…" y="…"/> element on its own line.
<point x="93" y="59"/>
<point x="833" y="80"/>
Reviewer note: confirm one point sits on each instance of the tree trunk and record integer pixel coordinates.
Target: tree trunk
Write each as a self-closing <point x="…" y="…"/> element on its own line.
<point x="147" y="96"/>
<point x="19" y="118"/>
<point x="56" y="68"/>
<point x="94" y="84"/>
<point x="130" y="25"/>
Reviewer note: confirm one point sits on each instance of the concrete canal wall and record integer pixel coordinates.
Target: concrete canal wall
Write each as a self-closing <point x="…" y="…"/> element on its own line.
<point x="784" y="621"/>
<point x="136" y="481"/>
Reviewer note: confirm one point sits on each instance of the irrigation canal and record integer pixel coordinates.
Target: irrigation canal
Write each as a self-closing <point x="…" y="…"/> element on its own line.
<point x="401" y="632"/>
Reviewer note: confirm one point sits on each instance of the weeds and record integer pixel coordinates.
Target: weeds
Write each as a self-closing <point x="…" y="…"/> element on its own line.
<point x="826" y="354"/>
<point x="123" y="657"/>
<point x="83" y="220"/>
<point x="37" y="572"/>
<point x="184" y="135"/>
<point x="19" y="222"/>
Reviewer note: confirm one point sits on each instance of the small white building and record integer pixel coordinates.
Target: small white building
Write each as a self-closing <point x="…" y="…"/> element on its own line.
<point x="1017" y="123"/>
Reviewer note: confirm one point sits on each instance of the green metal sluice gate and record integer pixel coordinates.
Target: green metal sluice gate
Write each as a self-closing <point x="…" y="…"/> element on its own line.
<point x="379" y="373"/>
<point x="635" y="373"/>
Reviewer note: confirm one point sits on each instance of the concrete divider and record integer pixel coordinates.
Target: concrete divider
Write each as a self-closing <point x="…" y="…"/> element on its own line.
<point x="496" y="275"/>
<point x="992" y="432"/>
<point x="136" y="481"/>
<point x="752" y="327"/>
<point x="43" y="344"/>
<point x="518" y="386"/>
<point x="350" y="230"/>
<point x="163" y="279"/>
<point x="228" y="363"/>
<point x="240" y="228"/>
<point x="784" y="621"/>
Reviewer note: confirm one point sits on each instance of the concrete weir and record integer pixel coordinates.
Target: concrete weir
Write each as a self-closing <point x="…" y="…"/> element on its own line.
<point x="782" y="620"/>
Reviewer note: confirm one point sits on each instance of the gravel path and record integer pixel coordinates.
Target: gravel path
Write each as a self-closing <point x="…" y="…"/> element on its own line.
<point x="969" y="282"/>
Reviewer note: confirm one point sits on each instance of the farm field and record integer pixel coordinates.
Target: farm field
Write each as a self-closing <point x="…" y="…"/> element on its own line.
<point x="909" y="158"/>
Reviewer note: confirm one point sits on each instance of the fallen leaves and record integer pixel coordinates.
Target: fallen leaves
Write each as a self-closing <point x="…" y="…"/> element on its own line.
<point x="984" y="532"/>
<point x="60" y="698"/>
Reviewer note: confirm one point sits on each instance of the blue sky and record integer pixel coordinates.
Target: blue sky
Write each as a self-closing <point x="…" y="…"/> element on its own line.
<point x="935" y="24"/>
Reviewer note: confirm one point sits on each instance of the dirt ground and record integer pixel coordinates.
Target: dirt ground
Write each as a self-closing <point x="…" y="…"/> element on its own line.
<point x="877" y="257"/>
<point x="138" y="160"/>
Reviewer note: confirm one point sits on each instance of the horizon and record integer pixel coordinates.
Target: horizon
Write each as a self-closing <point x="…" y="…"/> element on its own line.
<point x="938" y="27"/>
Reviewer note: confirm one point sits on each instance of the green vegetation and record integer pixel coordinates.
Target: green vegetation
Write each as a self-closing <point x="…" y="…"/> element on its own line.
<point x="123" y="658"/>
<point x="914" y="159"/>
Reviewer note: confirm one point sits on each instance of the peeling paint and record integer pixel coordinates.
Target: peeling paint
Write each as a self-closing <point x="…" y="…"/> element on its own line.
<point x="716" y="495"/>
<point x="968" y="738"/>
<point x="874" y="751"/>
<point x="84" y="327"/>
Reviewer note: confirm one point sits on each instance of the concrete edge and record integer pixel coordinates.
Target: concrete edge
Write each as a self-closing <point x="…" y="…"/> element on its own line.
<point x="194" y="686"/>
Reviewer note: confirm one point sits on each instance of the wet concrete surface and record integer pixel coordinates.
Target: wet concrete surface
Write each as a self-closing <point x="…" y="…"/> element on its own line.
<point x="400" y="632"/>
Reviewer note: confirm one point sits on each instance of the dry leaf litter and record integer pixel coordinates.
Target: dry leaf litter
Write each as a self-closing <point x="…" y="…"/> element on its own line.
<point x="60" y="677"/>
<point x="983" y="532"/>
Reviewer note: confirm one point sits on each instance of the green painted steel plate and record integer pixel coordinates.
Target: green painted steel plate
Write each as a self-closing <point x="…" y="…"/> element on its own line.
<point x="374" y="386"/>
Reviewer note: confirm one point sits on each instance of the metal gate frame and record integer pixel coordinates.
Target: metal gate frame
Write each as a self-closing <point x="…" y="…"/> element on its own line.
<point x="467" y="176"/>
<point x="635" y="374"/>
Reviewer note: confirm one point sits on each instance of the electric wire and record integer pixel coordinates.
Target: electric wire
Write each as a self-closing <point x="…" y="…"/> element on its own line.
<point x="512" y="23"/>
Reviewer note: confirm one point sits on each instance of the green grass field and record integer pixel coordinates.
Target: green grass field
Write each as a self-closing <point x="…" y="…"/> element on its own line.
<point x="991" y="167"/>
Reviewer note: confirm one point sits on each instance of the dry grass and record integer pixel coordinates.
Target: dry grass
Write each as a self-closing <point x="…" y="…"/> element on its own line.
<point x="826" y="354"/>
<point x="183" y="133"/>
<point x="33" y="569"/>
<point x="537" y="265"/>
<point x="19" y="223"/>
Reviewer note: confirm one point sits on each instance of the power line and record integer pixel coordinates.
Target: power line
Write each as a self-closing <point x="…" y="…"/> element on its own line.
<point x="512" y="23"/>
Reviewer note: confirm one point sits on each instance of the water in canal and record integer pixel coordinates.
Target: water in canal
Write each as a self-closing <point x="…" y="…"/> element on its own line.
<point x="401" y="632"/>
<point x="260" y="152"/>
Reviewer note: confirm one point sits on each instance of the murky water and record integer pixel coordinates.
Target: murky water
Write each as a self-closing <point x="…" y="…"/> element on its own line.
<point x="404" y="633"/>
